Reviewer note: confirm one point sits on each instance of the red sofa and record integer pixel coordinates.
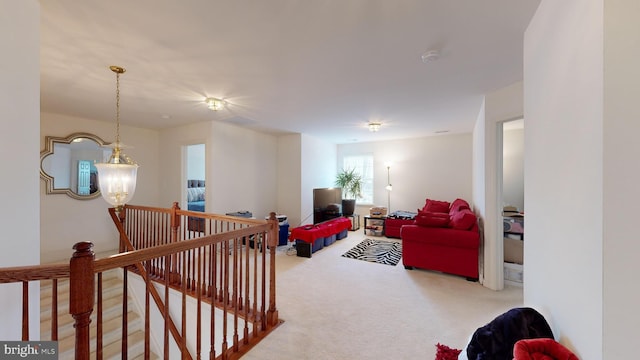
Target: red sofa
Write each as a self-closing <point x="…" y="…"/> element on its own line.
<point x="444" y="237"/>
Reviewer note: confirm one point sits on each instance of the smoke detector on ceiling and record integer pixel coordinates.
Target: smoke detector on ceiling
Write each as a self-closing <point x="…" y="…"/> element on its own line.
<point x="430" y="56"/>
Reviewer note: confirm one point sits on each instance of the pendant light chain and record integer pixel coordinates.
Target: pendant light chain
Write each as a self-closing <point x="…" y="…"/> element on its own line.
<point x="118" y="70"/>
<point x="117" y="108"/>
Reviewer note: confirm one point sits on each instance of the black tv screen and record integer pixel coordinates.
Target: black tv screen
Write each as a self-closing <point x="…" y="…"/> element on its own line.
<point x="324" y="202"/>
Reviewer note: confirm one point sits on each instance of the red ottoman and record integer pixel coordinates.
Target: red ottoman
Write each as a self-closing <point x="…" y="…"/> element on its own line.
<point x="395" y="221"/>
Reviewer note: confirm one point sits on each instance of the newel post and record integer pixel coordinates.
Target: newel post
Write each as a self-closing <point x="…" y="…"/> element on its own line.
<point x="272" y="313"/>
<point x="81" y="295"/>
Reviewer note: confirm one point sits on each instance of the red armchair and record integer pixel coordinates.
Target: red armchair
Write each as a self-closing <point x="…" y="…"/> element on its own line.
<point x="443" y="238"/>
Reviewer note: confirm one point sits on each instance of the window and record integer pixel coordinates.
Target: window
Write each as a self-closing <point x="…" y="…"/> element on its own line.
<point x="363" y="164"/>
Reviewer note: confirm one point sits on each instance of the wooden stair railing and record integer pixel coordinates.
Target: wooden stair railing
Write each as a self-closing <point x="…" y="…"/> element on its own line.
<point x="125" y="245"/>
<point x="217" y="266"/>
<point x="26" y="274"/>
<point x="142" y="227"/>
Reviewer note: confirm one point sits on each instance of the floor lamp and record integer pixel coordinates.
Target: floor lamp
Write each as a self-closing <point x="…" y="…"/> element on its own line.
<point x="389" y="188"/>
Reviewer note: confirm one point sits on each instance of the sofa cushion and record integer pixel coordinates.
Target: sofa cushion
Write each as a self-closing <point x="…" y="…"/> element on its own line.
<point x="457" y="205"/>
<point x="463" y="220"/>
<point x="436" y="206"/>
<point x="432" y="219"/>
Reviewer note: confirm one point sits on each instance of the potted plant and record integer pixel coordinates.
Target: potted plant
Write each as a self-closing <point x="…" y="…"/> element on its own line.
<point x="351" y="183"/>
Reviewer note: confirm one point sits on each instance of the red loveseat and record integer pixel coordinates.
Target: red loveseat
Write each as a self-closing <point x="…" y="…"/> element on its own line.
<point x="444" y="237"/>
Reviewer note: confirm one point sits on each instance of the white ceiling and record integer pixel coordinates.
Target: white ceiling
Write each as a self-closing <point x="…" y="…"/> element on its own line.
<point x="320" y="67"/>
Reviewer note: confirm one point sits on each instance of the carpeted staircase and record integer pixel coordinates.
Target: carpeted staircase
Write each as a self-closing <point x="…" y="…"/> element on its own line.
<point x="111" y="317"/>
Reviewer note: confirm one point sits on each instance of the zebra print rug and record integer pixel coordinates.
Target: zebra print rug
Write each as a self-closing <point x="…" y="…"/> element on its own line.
<point x="377" y="251"/>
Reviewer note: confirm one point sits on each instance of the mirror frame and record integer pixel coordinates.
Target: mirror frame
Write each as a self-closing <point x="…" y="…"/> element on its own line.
<point x="49" y="144"/>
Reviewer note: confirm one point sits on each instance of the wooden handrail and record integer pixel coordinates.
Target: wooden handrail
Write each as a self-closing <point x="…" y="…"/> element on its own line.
<point x="137" y="256"/>
<point x="178" y="211"/>
<point x="34" y="273"/>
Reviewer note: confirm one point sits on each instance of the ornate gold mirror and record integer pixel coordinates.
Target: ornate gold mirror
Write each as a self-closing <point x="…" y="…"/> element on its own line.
<point x="67" y="165"/>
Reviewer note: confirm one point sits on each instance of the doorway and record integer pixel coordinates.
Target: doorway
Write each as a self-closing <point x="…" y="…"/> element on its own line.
<point x="512" y="194"/>
<point x="194" y="177"/>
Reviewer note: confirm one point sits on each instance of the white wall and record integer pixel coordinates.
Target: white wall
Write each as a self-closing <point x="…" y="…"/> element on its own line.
<point x="563" y="77"/>
<point x="620" y="292"/>
<point x="419" y="169"/>
<point x="290" y="178"/>
<point x="19" y="114"/>
<point x="66" y="221"/>
<point x="479" y="194"/>
<point x="499" y="106"/>
<point x="172" y="152"/>
<point x="245" y="176"/>
<point x="318" y="170"/>
<point x="240" y="170"/>
<point x="584" y="156"/>
<point x="436" y="167"/>
<point x="196" y="162"/>
<point x="513" y="168"/>
<point x="304" y="163"/>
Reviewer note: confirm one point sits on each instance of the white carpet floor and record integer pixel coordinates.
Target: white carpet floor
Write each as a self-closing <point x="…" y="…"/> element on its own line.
<point x="340" y="308"/>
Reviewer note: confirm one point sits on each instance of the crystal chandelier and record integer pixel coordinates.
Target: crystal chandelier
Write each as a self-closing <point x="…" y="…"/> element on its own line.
<point x="117" y="175"/>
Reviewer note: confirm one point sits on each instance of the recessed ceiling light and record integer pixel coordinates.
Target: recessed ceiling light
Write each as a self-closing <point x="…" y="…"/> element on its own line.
<point x="441" y="131"/>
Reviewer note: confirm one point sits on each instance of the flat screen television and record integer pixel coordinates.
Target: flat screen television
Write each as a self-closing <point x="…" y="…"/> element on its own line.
<point x="325" y="201"/>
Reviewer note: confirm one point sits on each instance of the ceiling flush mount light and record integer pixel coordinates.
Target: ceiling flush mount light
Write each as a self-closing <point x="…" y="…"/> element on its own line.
<point x="430" y="56"/>
<point x="117" y="175"/>
<point x="214" y="104"/>
<point x="374" y="126"/>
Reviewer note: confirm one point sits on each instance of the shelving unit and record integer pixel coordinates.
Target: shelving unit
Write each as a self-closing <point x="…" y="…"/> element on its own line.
<point x="374" y="226"/>
<point x="355" y="221"/>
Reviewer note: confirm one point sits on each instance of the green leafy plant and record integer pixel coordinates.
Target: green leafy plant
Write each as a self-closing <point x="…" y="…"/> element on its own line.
<point x="350" y="182"/>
